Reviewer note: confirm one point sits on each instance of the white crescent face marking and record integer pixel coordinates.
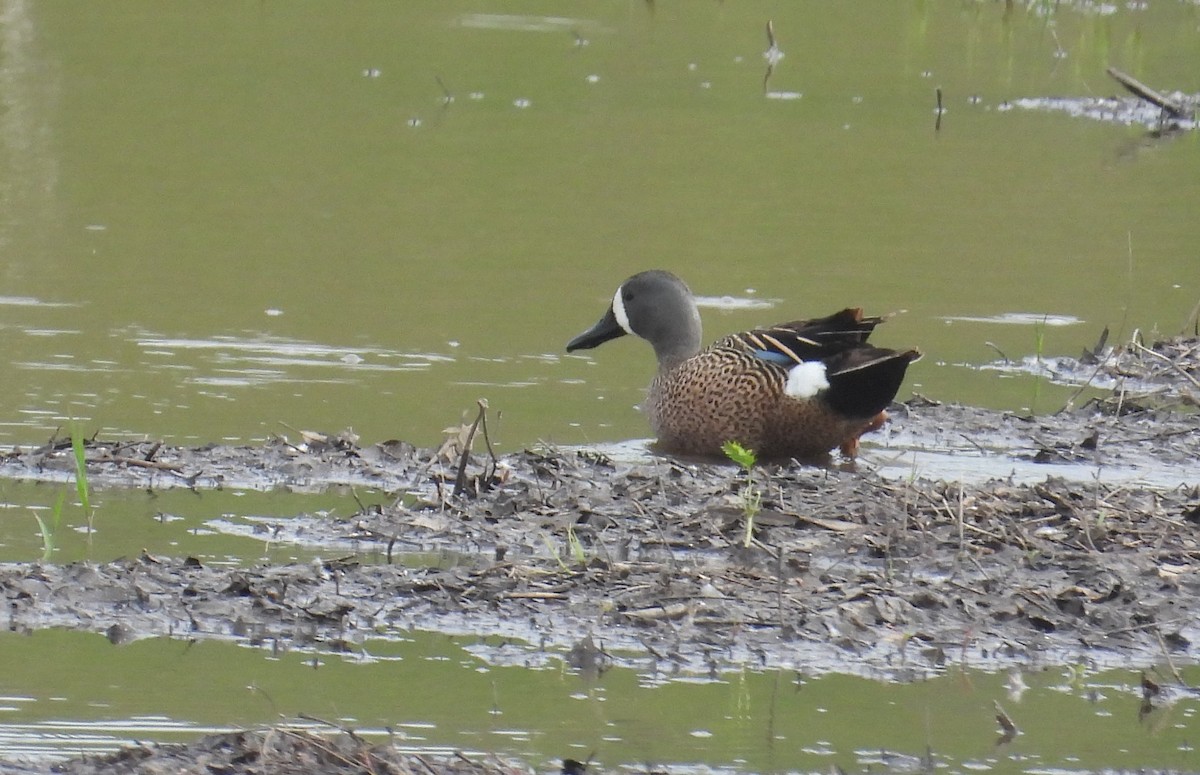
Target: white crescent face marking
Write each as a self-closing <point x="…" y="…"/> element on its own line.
<point x="806" y="379"/>
<point x="618" y="306"/>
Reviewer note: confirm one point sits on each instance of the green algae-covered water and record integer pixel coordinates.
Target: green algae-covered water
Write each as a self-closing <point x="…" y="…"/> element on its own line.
<point x="216" y="223"/>
<point x="438" y="693"/>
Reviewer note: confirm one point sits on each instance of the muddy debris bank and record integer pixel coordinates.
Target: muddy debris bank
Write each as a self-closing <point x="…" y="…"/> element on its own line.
<point x="647" y="561"/>
<point x="1140" y="376"/>
<point x="271" y="752"/>
<point x="1169" y="369"/>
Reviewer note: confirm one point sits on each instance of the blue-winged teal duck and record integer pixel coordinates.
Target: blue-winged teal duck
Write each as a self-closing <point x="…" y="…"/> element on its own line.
<point x="797" y="389"/>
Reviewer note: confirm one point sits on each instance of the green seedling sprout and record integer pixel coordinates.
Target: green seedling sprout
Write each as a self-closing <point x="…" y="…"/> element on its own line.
<point x="751" y="496"/>
<point x="1039" y="341"/>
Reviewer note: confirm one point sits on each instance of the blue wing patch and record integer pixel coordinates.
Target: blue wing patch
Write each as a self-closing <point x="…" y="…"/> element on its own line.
<point x="774" y="357"/>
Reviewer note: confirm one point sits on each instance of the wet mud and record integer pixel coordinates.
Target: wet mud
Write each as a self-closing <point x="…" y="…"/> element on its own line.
<point x="274" y="752"/>
<point x="845" y="569"/>
<point x="594" y="559"/>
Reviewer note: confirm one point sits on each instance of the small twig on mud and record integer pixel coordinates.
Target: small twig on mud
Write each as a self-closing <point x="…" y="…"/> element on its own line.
<point x="465" y="758"/>
<point x="652" y="651"/>
<point x="460" y="480"/>
<point x="769" y="551"/>
<point x="973" y="443"/>
<point x="53" y="441"/>
<point x="333" y="753"/>
<point x="284" y="439"/>
<point x="653" y="613"/>
<point x="962" y="523"/>
<point x="1103" y="500"/>
<point x="136" y="462"/>
<point x="421" y="760"/>
<point x="330" y="724"/>
<point x="1095" y="373"/>
<point x="993" y="536"/>
<point x="601" y="548"/>
<point x="483" y="407"/>
<point x="533" y="596"/>
<point x="1029" y="597"/>
<point x="962" y="585"/>
<point x="1143" y="627"/>
<point x="1086" y="518"/>
<point x="909" y="502"/>
<point x="979" y="567"/>
<point x="437" y="484"/>
<point x="959" y="516"/>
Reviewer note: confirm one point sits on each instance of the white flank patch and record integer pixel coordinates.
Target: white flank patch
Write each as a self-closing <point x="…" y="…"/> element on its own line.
<point x="619" y="312"/>
<point x="806" y="379"/>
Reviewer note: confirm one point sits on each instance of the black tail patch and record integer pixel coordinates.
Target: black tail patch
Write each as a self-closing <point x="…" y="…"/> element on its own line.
<point x="863" y="381"/>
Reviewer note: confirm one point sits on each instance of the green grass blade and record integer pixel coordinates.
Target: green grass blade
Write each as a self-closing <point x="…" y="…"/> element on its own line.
<point x="553" y="552"/>
<point x="81" y="477"/>
<point x="576" y="546"/>
<point x="47" y="537"/>
<point x="49" y="530"/>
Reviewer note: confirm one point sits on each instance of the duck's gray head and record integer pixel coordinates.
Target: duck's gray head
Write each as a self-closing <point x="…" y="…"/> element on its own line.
<point x="655" y="305"/>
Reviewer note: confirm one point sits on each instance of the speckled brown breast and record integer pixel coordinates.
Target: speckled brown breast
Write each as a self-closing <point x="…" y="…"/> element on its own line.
<point x="723" y="394"/>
